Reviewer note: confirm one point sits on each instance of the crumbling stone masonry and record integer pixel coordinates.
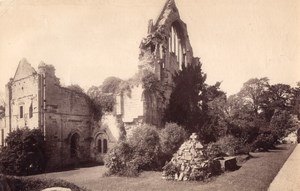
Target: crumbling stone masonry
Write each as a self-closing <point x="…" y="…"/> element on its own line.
<point x="35" y="99"/>
<point x="163" y="52"/>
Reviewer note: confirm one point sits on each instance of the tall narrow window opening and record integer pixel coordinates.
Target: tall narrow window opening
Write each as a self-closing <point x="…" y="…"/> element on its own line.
<point x="104" y="146"/>
<point x="99" y="146"/>
<point x="30" y="111"/>
<point x="21" y="111"/>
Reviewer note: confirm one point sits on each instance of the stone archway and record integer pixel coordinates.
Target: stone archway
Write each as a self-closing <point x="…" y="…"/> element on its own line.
<point x="74" y="145"/>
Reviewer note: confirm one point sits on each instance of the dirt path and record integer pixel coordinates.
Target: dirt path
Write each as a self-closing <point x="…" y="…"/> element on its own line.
<point x="288" y="178"/>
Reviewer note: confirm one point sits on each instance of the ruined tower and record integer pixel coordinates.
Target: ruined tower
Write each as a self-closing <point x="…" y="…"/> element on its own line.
<point x="163" y="52"/>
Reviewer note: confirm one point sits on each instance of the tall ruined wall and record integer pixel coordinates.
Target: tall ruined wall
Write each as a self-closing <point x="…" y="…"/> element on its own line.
<point x="25" y="97"/>
<point x="132" y="104"/>
<point x="22" y="100"/>
<point x="22" y="97"/>
<point x="129" y="107"/>
<point x="66" y="113"/>
<point x="163" y="52"/>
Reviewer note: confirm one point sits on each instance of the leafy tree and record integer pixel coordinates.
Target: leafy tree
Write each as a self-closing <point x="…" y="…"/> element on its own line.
<point x="296" y="100"/>
<point x="24" y="153"/>
<point x="278" y="96"/>
<point x="260" y="113"/>
<point x="93" y="92"/>
<point x="111" y="85"/>
<point x="104" y="96"/>
<point x="216" y="115"/>
<point x="76" y="88"/>
<point x="253" y="91"/>
<point x="103" y="101"/>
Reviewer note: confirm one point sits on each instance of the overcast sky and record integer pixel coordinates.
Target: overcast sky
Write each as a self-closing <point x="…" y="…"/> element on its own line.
<point x="88" y="41"/>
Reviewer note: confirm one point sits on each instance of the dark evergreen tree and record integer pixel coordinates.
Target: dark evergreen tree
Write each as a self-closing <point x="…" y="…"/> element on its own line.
<point x="187" y="105"/>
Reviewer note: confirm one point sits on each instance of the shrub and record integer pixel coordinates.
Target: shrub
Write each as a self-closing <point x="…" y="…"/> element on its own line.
<point x="171" y="138"/>
<point x="280" y="124"/>
<point x="214" y="150"/>
<point x="264" y="141"/>
<point x="118" y="160"/>
<point x="169" y="170"/>
<point x="227" y="145"/>
<point x="24" y="153"/>
<point x="145" y="143"/>
<point x="140" y="152"/>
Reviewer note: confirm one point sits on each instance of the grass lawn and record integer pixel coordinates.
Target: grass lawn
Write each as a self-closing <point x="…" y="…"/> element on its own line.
<point x="256" y="174"/>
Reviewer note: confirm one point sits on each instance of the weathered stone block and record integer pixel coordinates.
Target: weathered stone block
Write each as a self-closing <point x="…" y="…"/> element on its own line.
<point x="227" y="163"/>
<point x="199" y="146"/>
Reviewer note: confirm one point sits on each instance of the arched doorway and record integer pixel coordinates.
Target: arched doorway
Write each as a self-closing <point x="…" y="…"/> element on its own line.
<point x="74" y="145"/>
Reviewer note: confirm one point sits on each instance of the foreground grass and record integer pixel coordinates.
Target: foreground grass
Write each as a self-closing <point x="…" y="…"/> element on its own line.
<point x="255" y="174"/>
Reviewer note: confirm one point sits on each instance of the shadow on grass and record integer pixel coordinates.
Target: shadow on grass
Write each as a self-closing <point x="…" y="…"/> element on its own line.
<point x="254" y="155"/>
<point x="77" y="166"/>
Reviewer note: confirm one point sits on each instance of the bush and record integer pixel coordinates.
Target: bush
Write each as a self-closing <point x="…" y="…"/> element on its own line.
<point x="145" y="143"/>
<point x="281" y="123"/>
<point x="24" y="153"/>
<point x="169" y="170"/>
<point x="118" y="160"/>
<point x="227" y="145"/>
<point x="171" y="138"/>
<point x="214" y="150"/>
<point x="140" y="152"/>
<point x="264" y="141"/>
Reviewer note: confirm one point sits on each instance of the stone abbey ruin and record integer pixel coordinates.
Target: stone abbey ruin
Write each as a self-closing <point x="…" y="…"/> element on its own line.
<point x="36" y="99"/>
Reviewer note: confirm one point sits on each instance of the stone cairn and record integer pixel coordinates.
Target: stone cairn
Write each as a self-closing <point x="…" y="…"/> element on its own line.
<point x="188" y="159"/>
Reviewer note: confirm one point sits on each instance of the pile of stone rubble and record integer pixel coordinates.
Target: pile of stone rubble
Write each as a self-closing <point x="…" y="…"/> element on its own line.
<point x="190" y="160"/>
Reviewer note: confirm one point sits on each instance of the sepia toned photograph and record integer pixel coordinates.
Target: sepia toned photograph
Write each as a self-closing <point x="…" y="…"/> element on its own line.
<point x="125" y="95"/>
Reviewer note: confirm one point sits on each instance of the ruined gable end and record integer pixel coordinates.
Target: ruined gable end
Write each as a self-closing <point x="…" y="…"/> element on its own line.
<point x="24" y="70"/>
